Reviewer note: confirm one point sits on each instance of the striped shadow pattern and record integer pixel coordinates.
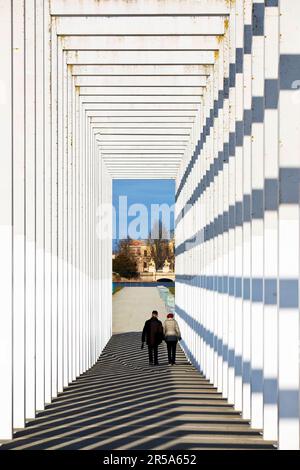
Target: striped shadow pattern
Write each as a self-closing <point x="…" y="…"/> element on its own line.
<point x="122" y="403"/>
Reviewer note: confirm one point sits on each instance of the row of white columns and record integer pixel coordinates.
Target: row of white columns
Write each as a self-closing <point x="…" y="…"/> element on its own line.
<point x="55" y="272"/>
<point x="237" y="289"/>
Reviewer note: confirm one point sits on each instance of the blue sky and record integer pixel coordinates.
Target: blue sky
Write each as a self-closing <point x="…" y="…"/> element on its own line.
<point x="144" y="192"/>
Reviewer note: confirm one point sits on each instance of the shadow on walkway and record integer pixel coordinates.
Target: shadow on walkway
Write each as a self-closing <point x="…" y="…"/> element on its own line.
<point x="122" y="403"/>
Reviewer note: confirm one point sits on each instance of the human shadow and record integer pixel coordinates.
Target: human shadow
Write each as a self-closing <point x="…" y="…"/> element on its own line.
<point x="123" y="403"/>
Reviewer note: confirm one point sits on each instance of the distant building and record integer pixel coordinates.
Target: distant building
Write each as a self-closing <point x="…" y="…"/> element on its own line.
<point x="140" y="251"/>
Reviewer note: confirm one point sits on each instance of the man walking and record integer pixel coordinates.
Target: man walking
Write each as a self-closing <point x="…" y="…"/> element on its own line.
<point x="153" y="335"/>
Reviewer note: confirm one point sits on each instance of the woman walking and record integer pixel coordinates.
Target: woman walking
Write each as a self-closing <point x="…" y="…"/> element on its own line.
<point x="172" y="335"/>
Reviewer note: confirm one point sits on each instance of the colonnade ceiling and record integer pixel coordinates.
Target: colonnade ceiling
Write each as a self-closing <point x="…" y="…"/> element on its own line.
<point x="140" y="70"/>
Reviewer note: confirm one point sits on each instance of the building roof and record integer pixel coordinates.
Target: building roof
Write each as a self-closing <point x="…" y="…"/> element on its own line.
<point x="137" y="243"/>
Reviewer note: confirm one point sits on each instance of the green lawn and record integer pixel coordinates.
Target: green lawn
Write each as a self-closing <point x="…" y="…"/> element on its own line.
<point x="117" y="289"/>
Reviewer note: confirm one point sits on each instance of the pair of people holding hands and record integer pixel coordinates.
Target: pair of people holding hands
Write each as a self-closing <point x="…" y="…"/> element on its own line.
<point x="153" y="334"/>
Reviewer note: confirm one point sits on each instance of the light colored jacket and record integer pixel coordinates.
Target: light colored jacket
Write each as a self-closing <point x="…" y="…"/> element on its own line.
<point x="171" y="328"/>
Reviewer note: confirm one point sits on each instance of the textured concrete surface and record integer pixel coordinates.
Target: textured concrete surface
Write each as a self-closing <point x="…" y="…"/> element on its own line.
<point x="122" y="403"/>
<point x="132" y="306"/>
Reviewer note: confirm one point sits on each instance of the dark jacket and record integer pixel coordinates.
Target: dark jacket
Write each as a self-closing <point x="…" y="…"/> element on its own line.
<point x="152" y="332"/>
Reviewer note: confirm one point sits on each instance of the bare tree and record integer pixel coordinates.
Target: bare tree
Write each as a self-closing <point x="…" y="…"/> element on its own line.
<point x="124" y="246"/>
<point x="160" y="250"/>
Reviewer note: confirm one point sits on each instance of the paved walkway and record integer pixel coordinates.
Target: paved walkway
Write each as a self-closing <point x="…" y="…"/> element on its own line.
<point x="122" y="403"/>
<point x="132" y="306"/>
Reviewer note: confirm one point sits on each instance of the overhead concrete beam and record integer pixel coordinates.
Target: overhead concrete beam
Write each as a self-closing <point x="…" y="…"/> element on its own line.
<point x="144" y="138"/>
<point x="141" y="125"/>
<point x="140" y="114"/>
<point x="138" y="70"/>
<point x="142" y="7"/>
<point x="92" y="109"/>
<point x="155" y="121"/>
<point x="136" y="158"/>
<point x="140" y="82"/>
<point x="112" y="43"/>
<point x="154" y="153"/>
<point x="145" y="131"/>
<point x="140" y="57"/>
<point x="155" y="175"/>
<point x="139" y="148"/>
<point x="143" y="166"/>
<point x="130" y="168"/>
<point x="142" y="91"/>
<point x="146" y="107"/>
<point x="120" y="146"/>
<point x="154" y="25"/>
<point x="147" y="145"/>
<point x="90" y="91"/>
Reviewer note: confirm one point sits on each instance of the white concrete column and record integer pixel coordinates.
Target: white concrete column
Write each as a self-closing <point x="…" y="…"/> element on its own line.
<point x="199" y="337"/>
<point x="18" y="216"/>
<point x="219" y="211"/>
<point x="92" y="299"/>
<point x="75" y="228"/>
<point x="83" y="227"/>
<point x="225" y="175"/>
<point x="77" y="221"/>
<point x="85" y="244"/>
<point x="257" y="224"/>
<point x="209" y="242"/>
<point x="54" y="214"/>
<point x="30" y="201"/>
<point x="93" y="283"/>
<point x="47" y="204"/>
<point x="6" y="233"/>
<point x="214" y="242"/>
<point x="40" y="207"/>
<point x="289" y="162"/>
<point x="271" y="223"/>
<point x="247" y="149"/>
<point x="60" y="218"/>
<point x="65" y="231"/>
<point x="82" y="238"/>
<point x="89" y="243"/>
<point x="205" y="306"/>
<point x="101" y="254"/>
<point x="239" y="157"/>
<point x="231" y="200"/>
<point x="97" y="241"/>
<point x="70" y="227"/>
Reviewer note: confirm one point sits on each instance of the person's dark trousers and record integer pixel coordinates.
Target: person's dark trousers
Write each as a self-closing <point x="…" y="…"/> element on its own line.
<point x="153" y="354"/>
<point x="171" y="345"/>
